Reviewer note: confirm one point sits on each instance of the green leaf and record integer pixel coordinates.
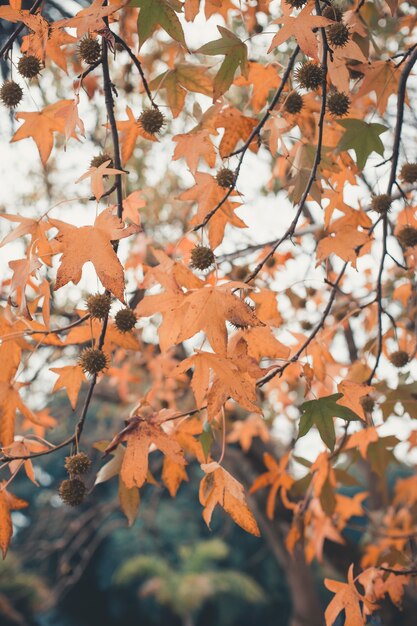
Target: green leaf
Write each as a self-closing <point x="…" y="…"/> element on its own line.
<point x="161" y="13"/>
<point x="363" y="138"/>
<point x="320" y="413"/>
<point x="235" y="54"/>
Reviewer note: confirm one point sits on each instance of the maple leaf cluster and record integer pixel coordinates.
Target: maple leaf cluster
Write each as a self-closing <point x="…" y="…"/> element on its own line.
<point x="295" y="353"/>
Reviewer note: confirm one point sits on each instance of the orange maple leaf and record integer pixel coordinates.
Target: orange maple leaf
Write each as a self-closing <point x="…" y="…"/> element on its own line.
<point x="219" y="487"/>
<point x="244" y="431"/>
<point x="194" y="146"/>
<point x="301" y="27"/>
<point x="92" y="243"/>
<point x="205" y="309"/>
<point x="71" y="377"/>
<point x="8" y="502"/>
<point x="347" y="599"/>
<point x="278" y="479"/>
<point x="130" y="130"/>
<point x="90" y="19"/>
<point x="208" y="194"/>
<point x="140" y="434"/>
<point x="96" y="174"/>
<point x="41" y="125"/>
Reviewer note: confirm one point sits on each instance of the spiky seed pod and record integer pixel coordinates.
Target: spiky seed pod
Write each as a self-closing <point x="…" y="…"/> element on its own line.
<point x="271" y="262"/>
<point x="92" y="360"/>
<point x="202" y="258"/>
<point x="367" y="403"/>
<point x="100" y="159"/>
<point x="293" y="103"/>
<point x="408" y="236"/>
<point x="338" y="34"/>
<point x="338" y="103"/>
<point x="225" y="177"/>
<point x="408" y="172"/>
<point x="309" y="75"/>
<point x="381" y="203"/>
<point x="152" y="121"/>
<point x="11" y="93"/>
<point x="98" y="305"/>
<point x="296" y="4"/>
<point x="77" y="464"/>
<point x="89" y="50"/>
<point x="125" y="320"/>
<point x="333" y="13"/>
<point x="399" y="358"/>
<point x="72" y="491"/>
<point x="306" y="325"/>
<point x="29" y="66"/>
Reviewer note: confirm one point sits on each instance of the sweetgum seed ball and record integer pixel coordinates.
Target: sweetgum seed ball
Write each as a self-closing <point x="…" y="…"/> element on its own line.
<point x="409" y="172"/>
<point x="77" y="464"/>
<point x="151" y="120"/>
<point x="72" y="491"/>
<point x="125" y="320"/>
<point x="92" y="360"/>
<point x="202" y="258"/>
<point x="89" y="50"/>
<point x="381" y="203"/>
<point x="408" y="236"/>
<point x="399" y="358"/>
<point x="29" y="66"/>
<point x="338" y="103"/>
<point x="11" y="93"/>
<point x="98" y="305"/>
<point x="296" y="4"/>
<point x="337" y="35"/>
<point x="100" y="159"/>
<point x="294" y="103"/>
<point x="309" y="75"/>
<point x="225" y="177"/>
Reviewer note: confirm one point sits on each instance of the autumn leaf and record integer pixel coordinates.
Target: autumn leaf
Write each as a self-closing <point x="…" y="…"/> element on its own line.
<point x="161" y="13"/>
<point x="363" y="138"/>
<point x="140" y="435"/>
<point x="96" y="174"/>
<point x="218" y="487"/>
<point x="320" y="413"/>
<point x="130" y="130"/>
<point x="301" y="27"/>
<point x="8" y="502"/>
<point x="35" y="228"/>
<point x="277" y="478"/>
<point x="235" y="55"/>
<point x="347" y="599"/>
<point x="92" y="243"/>
<point x="41" y="126"/>
<point x="207" y="309"/>
<point x="183" y="78"/>
<point x="90" y="19"/>
<point x="348" y="243"/>
<point x="261" y="78"/>
<point x="193" y="147"/>
<point x="71" y="377"/>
